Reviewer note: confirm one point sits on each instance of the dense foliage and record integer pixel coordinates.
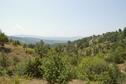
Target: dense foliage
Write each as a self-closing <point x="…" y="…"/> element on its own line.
<point x="96" y="69"/>
<point x="56" y="70"/>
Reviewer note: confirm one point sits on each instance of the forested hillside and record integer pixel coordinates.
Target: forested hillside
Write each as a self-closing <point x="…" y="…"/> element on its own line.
<point x="97" y="59"/>
<point x="107" y="44"/>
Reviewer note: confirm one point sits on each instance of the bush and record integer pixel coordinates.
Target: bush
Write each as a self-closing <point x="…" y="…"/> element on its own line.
<point x="96" y="69"/>
<point x="21" y="68"/>
<point x="4" y="63"/>
<point x="29" y="51"/>
<point x="56" y="70"/>
<point x="117" y="55"/>
<point x="114" y="75"/>
<point x="3" y="71"/>
<point x="30" y="68"/>
<point x="41" y="49"/>
<point x="116" y="58"/>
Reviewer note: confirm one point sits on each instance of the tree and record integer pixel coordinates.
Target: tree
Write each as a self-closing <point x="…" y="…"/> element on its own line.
<point x="3" y="39"/>
<point x="124" y="31"/>
<point x="120" y="30"/>
<point x="41" y="49"/>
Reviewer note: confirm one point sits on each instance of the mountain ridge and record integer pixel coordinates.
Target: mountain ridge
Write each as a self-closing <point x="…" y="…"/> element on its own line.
<point x="32" y="39"/>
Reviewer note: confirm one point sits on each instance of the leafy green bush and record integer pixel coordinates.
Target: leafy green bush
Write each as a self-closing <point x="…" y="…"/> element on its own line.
<point x="56" y="69"/>
<point x="96" y="69"/>
<point x="91" y="67"/>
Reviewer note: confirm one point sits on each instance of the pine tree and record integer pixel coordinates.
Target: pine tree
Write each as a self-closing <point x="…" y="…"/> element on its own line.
<point x="3" y="39"/>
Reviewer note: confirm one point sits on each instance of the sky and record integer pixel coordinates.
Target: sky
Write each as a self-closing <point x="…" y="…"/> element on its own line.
<point x="61" y="18"/>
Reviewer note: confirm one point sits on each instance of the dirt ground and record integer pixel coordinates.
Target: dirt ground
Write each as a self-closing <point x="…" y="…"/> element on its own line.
<point x="44" y="82"/>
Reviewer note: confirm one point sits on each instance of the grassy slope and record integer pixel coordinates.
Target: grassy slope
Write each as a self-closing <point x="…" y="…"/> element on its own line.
<point x="17" y="52"/>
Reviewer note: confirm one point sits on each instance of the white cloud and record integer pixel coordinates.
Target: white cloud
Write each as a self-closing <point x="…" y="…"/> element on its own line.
<point x="13" y="29"/>
<point x="18" y="30"/>
<point x="19" y="27"/>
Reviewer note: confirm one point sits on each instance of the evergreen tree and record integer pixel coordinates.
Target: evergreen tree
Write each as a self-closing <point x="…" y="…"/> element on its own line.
<point x="124" y="31"/>
<point x="3" y="39"/>
<point x="41" y="49"/>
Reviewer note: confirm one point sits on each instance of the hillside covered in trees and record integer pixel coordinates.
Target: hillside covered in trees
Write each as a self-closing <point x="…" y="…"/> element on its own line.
<point x="97" y="59"/>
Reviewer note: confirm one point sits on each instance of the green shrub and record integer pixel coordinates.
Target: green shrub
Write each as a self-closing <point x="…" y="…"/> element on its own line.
<point x="3" y="71"/>
<point x="117" y="58"/>
<point x="96" y="69"/>
<point x="21" y="68"/>
<point x="114" y="75"/>
<point x="29" y="51"/>
<point x="116" y="55"/>
<point x="4" y="63"/>
<point x="41" y="49"/>
<point x="33" y="68"/>
<point x="30" y="68"/>
<point x="56" y="70"/>
<point x="91" y="67"/>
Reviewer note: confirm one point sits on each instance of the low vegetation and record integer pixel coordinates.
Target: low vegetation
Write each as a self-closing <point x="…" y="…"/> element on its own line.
<point x="92" y="60"/>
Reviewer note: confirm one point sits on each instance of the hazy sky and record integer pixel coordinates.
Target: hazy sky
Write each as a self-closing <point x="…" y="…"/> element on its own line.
<point x="61" y="17"/>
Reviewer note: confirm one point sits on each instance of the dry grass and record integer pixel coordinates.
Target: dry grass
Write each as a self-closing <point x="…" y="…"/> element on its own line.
<point x="17" y="52"/>
<point x="77" y="82"/>
<point x="17" y="80"/>
<point x="35" y="81"/>
<point x="122" y="68"/>
<point x="13" y="80"/>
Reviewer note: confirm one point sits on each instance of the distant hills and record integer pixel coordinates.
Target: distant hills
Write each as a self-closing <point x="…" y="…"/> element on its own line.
<point x="48" y="40"/>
